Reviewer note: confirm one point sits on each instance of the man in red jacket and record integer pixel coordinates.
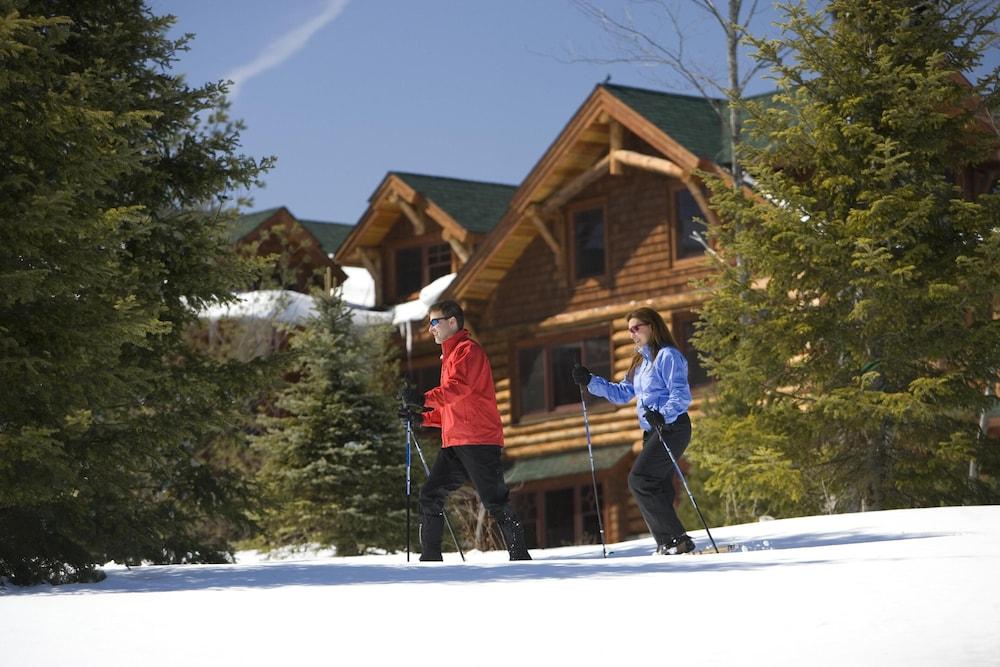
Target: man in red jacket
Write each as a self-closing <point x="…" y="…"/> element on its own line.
<point x="464" y="407"/>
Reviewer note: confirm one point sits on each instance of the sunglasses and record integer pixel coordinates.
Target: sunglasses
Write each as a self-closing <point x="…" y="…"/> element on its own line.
<point x="438" y="320"/>
<point x="636" y="328"/>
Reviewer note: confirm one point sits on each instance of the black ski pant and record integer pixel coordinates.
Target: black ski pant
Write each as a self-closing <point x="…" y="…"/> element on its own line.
<point x="481" y="465"/>
<point x="652" y="479"/>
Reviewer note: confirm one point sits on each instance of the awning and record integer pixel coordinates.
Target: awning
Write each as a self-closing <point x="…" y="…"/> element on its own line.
<point x="564" y="464"/>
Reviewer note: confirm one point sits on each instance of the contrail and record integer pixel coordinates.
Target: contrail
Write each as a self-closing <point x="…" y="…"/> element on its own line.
<point x="284" y="47"/>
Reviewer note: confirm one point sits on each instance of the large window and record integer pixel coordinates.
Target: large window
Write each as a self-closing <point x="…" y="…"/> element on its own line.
<point x="544" y="372"/>
<point x="559" y="517"/>
<point x="588" y="243"/>
<point x="684" y="328"/>
<point x="409" y="270"/>
<point x="418" y="266"/>
<point x="689" y="220"/>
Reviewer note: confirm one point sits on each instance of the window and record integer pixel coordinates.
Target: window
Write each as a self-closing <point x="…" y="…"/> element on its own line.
<point x="688" y="216"/>
<point x="684" y="328"/>
<point x="544" y="372"/>
<point x="559" y="517"/>
<point x="526" y="506"/>
<point x="409" y="270"/>
<point x="418" y="266"/>
<point x="588" y="243"/>
<point x="438" y="261"/>
<point x="590" y="526"/>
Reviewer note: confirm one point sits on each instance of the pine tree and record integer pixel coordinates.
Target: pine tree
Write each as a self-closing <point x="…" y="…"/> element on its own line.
<point x="854" y="341"/>
<point x="108" y="243"/>
<point x="333" y="458"/>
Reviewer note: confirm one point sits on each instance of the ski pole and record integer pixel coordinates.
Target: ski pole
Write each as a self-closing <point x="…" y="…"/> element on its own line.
<point x="686" y="487"/>
<point x="593" y="473"/>
<point x="427" y="471"/>
<point x="408" y="458"/>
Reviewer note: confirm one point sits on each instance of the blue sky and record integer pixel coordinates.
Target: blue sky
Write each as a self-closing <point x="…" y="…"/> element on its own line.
<point x="342" y="91"/>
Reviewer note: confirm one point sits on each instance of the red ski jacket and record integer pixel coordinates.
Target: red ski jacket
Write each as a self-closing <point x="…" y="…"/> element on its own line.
<point x="464" y="406"/>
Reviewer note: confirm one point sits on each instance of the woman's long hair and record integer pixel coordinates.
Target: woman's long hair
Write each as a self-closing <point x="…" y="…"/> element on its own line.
<point x="661" y="336"/>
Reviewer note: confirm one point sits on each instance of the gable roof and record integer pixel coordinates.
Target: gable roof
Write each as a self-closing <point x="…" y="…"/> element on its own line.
<point x="248" y="222"/>
<point x="464" y="209"/>
<point x="329" y="234"/>
<point x="686" y="131"/>
<point x="694" y="122"/>
<point x="476" y="205"/>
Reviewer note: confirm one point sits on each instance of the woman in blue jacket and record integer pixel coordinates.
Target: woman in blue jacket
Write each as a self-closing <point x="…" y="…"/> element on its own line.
<point x="658" y="379"/>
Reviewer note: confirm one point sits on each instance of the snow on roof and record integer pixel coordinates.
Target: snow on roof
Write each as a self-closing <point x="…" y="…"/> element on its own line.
<point x="274" y="305"/>
<point x="417" y="310"/>
<point x="359" y="288"/>
<point x="358" y="292"/>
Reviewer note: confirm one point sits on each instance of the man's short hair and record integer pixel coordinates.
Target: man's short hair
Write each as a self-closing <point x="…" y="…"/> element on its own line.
<point x="450" y="308"/>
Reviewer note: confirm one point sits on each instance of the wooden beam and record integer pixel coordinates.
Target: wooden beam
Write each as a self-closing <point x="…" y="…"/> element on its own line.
<point x="457" y="247"/>
<point x="371" y="258"/>
<point x="417" y="218"/>
<point x="650" y="163"/>
<point x="543" y="229"/>
<point x="616" y="135"/>
<point x="554" y="201"/>
<point x="682" y="301"/>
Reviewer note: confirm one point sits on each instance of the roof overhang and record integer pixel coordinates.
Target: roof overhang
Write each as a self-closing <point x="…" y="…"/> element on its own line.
<point x="585" y="149"/>
<point x="393" y="198"/>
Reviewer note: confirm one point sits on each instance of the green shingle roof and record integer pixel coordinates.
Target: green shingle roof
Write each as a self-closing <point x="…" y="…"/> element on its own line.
<point x="475" y="205"/>
<point x="564" y="464"/>
<point x="330" y="234"/>
<point x="691" y="121"/>
<point x="245" y="224"/>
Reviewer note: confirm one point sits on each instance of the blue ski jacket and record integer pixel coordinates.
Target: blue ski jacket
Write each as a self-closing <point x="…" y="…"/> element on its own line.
<point x="660" y="384"/>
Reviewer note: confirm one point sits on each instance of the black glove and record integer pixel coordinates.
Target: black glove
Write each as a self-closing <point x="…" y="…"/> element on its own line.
<point x="654" y="419"/>
<point x="581" y="375"/>
<point x="415" y="417"/>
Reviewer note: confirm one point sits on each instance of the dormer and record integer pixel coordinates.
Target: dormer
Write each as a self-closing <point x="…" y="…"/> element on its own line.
<point x="418" y="228"/>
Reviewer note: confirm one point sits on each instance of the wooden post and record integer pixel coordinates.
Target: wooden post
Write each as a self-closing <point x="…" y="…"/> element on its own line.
<point x="616" y="135"/>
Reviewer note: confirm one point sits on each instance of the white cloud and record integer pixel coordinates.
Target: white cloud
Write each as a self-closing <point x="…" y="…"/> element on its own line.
<point x="284" y="47"/>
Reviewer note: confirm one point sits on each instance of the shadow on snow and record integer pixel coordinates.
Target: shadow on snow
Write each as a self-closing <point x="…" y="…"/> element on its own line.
<point x="628" y="559"/>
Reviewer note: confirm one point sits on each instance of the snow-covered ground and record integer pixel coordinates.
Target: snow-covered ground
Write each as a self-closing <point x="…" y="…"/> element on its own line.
<point x="906" y="587"/>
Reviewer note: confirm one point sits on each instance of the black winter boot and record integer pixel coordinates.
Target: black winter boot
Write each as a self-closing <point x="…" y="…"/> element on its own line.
<point x="513" y="535"/>
<point x="681" y="544"/>
<point x="431" y="530"/>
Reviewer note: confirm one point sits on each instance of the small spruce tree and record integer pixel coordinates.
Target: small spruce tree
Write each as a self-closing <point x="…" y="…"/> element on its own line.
<point x="333" y="455"/>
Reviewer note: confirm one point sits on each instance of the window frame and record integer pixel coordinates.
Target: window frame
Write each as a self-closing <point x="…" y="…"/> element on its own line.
<point x="675" y="224"/>
<point x="570" y="213"/>
<point x="425" y="243"/>
<point x="580" y="486"/>
<point x="551" y="410"/>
